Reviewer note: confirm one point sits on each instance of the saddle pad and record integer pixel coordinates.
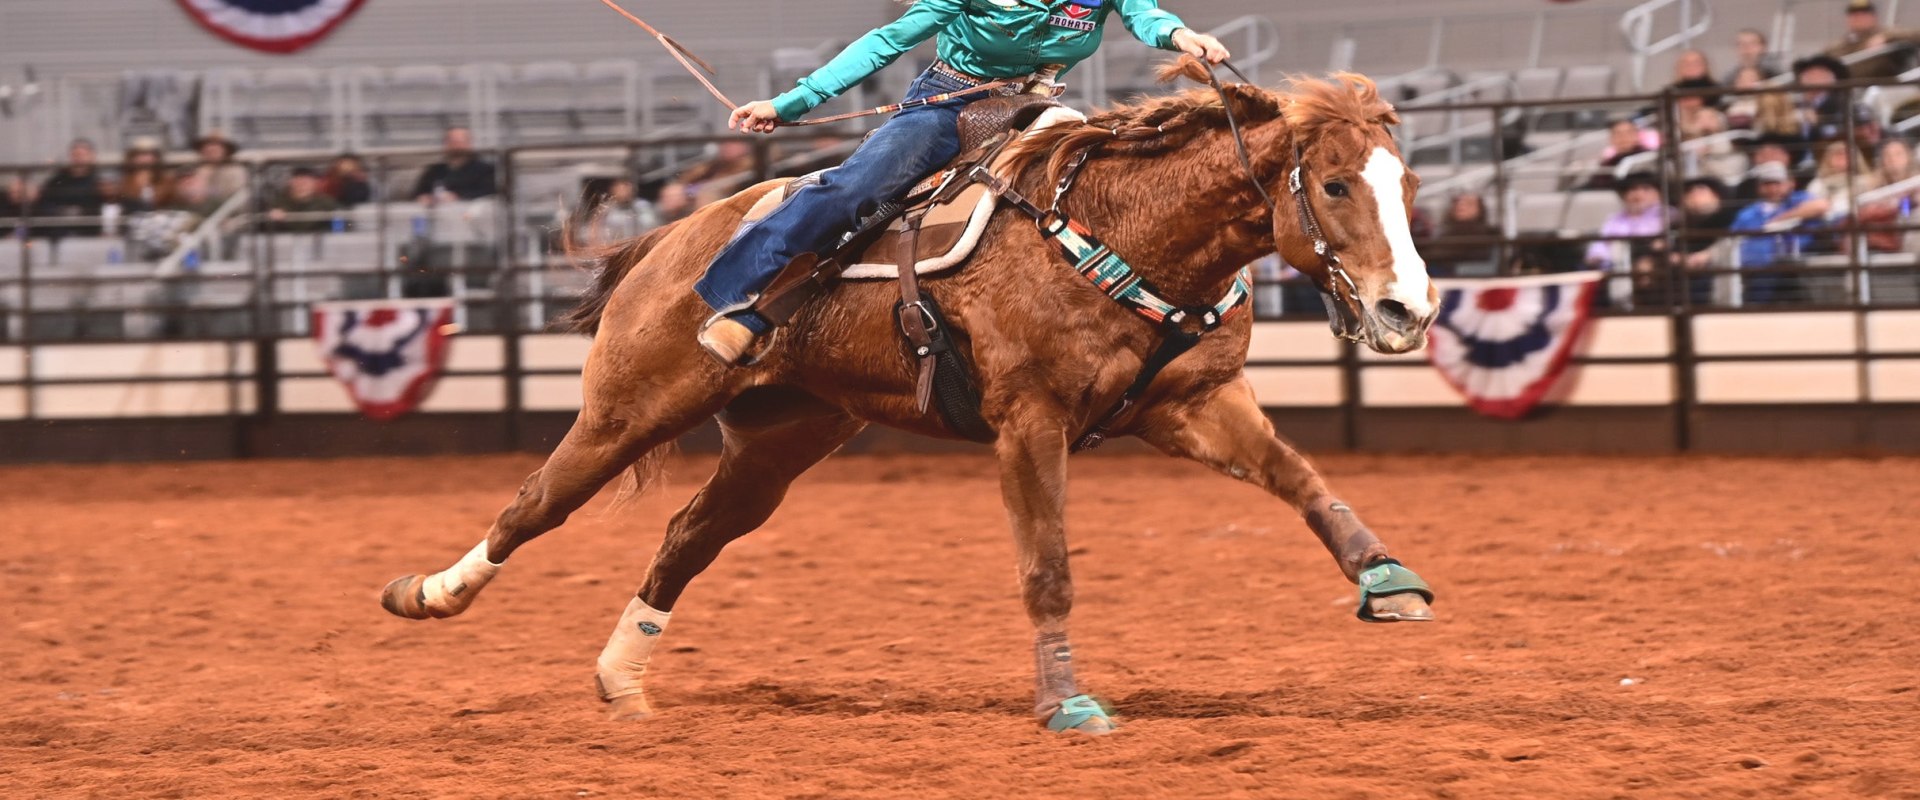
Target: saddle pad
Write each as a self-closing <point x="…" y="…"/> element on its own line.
<point x="950" y="232"/>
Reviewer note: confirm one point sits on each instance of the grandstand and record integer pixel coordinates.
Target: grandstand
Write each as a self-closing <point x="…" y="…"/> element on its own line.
<point x="1510" y="101"/>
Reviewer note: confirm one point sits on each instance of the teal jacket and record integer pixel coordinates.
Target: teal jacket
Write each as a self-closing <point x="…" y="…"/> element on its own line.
<point x="988" y="38"/>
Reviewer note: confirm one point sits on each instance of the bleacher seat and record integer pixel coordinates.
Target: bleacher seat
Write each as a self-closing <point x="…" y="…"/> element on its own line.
<point x="607" y="101"/>
<point x="1587" y="210"/>
<point x="415" y="104"/>
<point x="1539" y="212"/>
<point x="284" y="106"/>
<point x="85" y="252"/>
<point x="538" y="100"/>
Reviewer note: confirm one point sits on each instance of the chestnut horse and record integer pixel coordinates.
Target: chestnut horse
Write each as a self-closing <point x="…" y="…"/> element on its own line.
<point x="1166" y="188"/>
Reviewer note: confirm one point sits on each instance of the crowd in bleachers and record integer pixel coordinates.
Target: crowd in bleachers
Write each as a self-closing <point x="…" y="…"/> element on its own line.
<point x="1772" y="153"/>
<point x="1770" y="163"/>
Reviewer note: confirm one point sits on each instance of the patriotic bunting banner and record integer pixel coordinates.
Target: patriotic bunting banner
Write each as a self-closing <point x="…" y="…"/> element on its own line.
<point x="273" y="26"/>
<point x="1504" y="342"/>
<point x="388" y="353"/>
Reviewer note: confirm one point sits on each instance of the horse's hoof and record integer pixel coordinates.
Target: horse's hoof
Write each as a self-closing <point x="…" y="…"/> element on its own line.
<point x="1097" y="726"/>
<point x="1400" y="608"/>
<point x="406" y="597"/>
<point x="1081" y="714"/>
<point x="631" y="708"/>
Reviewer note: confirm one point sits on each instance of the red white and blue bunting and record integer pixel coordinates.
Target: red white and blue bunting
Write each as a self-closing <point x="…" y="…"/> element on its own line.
<point x="1504" y="342"/>
<point x="388" y="353"/>
<point x="273" y="26"/>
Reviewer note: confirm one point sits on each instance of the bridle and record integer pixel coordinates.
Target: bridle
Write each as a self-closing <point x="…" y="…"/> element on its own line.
<point x="1338" y="310"/>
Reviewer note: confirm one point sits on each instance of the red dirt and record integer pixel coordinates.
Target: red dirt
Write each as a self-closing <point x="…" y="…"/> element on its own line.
<point x="212" y="629"/>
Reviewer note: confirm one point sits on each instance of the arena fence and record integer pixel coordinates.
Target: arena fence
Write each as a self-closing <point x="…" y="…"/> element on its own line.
<point x="206" y="351"/>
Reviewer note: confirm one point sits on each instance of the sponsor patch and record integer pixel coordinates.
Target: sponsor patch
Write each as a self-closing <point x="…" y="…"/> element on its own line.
<point x="1064" y="21"/>
<point x="649" y="628"/>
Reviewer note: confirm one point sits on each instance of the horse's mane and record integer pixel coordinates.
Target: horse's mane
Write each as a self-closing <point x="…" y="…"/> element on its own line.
<point x="1310" y="106"/>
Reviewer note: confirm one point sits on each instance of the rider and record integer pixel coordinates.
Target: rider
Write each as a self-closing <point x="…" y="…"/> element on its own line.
<point x="981" y="41"/>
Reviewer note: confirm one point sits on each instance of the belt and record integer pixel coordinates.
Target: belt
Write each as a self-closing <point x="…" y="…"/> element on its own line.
<point x="946" y="69"/>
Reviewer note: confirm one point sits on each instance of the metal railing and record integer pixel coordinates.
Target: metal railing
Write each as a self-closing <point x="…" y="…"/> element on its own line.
<point x="1695" y="17"/>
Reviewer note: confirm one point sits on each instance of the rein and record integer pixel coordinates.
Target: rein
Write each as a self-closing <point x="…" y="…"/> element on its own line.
<point x="1309" y="222"/>
<point x="695" y="67"/>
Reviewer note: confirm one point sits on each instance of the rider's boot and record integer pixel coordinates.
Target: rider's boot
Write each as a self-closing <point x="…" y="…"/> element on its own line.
<point x="727" y="340"/>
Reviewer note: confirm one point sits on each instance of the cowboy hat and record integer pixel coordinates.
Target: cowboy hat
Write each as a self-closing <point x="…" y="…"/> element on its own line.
<point x="216" y="137"/>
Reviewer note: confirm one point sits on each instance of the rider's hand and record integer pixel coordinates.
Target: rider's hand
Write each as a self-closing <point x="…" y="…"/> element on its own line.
<point x="757" y="117"/>
<point x="1200" y="45"/>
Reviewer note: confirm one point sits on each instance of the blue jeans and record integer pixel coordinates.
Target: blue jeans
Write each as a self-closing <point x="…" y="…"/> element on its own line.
<point x="914" y="144"/>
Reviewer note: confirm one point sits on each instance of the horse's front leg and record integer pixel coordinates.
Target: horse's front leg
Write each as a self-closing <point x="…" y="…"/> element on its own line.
<point x="1033" y="480"/>
<point x="1226" y="430"/>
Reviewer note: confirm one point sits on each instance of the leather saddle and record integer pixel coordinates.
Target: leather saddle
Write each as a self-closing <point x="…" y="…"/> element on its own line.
<point x="941" y="219"/>
<point x="953" y="211"/>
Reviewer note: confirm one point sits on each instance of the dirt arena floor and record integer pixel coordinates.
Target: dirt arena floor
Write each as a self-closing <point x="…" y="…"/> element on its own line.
<point x="1692" y="627"/>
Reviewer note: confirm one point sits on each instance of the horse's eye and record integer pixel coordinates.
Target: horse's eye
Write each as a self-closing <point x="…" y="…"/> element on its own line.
<point x="1336" y="189"/>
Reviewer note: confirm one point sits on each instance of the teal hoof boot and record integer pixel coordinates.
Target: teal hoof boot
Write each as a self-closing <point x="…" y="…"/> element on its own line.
<point x="1081" y="714"/>
<point x="1392" y="593"/>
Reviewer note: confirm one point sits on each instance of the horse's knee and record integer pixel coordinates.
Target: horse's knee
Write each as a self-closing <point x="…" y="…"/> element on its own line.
<point x="1047" y="589"/>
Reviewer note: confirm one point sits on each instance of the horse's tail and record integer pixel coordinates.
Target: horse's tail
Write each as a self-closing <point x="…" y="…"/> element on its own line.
<point x="610" y="264"/>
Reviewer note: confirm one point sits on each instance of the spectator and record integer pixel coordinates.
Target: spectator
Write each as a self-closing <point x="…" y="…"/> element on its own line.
<point x="1864" y="32"/>
<point x="1750" y="48"/>
<point x="193" y="194"/>
<point x="461" y="175"/>
<point x="1742" y="109"/>
<point x="346" y="182"/>
<point x="302" y="207"/>
<point x="145" y="182"/>
<point x="223" y="178"/>
<point x="1894" y="162"/>
<point x="1642" y="213"/>
<point x="74" y="191"/>
<point x="1895" y="165"/>
<point x="1624" y="140"/>
<point x="1777" y="215"/>
<point x="1842" y="171"/>
<point x="16" y="200"/>
<point x="1776" y="118"/>
<point x="1466" y="218"/>
<point x="1692" y="66"/>
<point x="1705" y="220"/>
<point x="1822" y="110"/>
<point x="1706" y="151"/>
<point x="1768" y="152"/>
<point x="622" y="212"/>
<point x="708" y="181"/>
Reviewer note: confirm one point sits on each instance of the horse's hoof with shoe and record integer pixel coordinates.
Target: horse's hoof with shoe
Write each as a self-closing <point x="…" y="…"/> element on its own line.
<point x="1083" y="715"/>
<point x="1390" y="592"/>
<point x="442" y="594"/>
<point x="625" y="704"/>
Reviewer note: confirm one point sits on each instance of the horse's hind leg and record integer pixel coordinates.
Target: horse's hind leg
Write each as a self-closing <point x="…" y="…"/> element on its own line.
<point x="1226" y="430"/>
<point x="635" y="404"/>
<point x="771" y="437"/>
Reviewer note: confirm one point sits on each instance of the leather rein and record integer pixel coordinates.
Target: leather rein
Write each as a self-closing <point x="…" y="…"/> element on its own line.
<point x="1337" y="276"/>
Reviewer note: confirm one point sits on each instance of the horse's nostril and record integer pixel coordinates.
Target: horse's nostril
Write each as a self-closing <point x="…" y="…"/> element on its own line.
<point x="1394" y="313"/>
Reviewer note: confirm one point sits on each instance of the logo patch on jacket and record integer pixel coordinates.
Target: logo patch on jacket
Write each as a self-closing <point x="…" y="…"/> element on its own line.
<point x="1077" y="15"/>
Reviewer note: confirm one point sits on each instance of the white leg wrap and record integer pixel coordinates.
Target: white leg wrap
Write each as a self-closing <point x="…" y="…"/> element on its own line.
<point x="629" y="648"/>
<point x="451" y="590"/>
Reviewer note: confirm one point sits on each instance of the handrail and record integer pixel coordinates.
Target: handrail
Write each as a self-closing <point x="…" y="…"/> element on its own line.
<point x="1463" y="89"/>
<point x="1891" y="191"/>
<point x="1637" y="26"/>
<point x="1262" y="38"/>
<point x="201" y="234"/>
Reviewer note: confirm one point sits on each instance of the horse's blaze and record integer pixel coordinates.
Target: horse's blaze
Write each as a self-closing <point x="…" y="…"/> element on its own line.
<point x="1386" y="174"/>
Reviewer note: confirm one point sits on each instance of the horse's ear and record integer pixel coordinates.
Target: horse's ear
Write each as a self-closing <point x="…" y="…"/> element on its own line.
<point x="1184" y="67"/>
